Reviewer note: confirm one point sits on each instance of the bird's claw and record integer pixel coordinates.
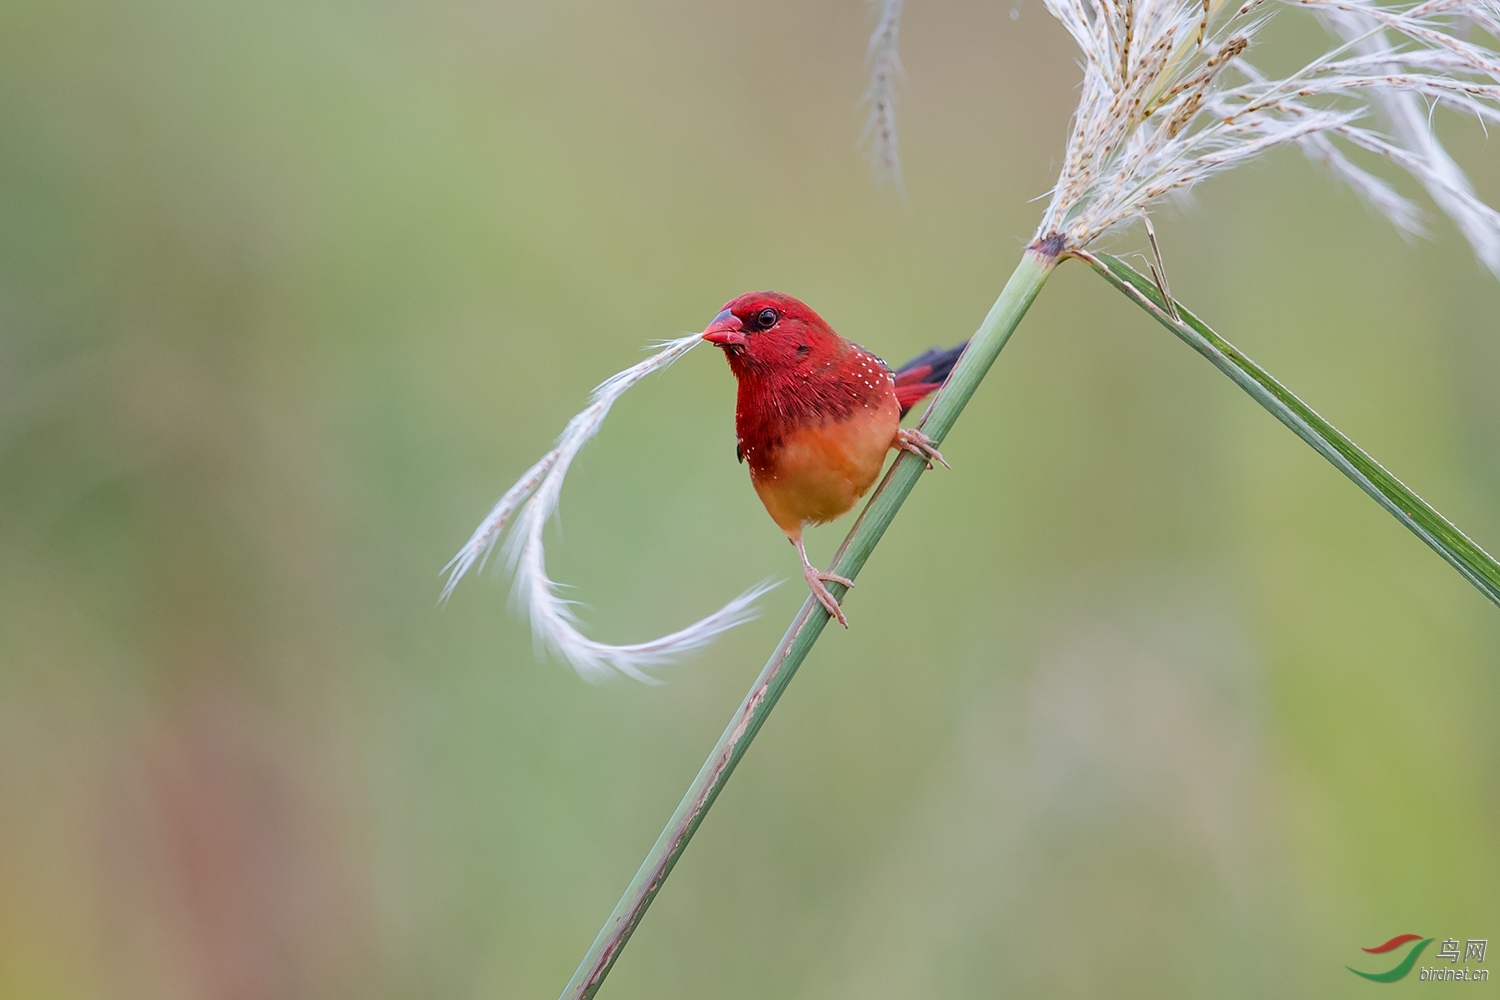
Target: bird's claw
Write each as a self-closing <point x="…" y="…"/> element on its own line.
<point x="920" y="445"/>
<point x="815" y="583"/>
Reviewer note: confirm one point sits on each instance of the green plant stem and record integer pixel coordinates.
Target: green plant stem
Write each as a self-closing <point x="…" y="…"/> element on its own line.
<point x="1472" y="562"/>
<point x="1020" y="291"/>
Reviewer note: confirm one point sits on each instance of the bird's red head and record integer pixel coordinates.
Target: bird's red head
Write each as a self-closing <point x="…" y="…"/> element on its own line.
<point x="768" y="333"/>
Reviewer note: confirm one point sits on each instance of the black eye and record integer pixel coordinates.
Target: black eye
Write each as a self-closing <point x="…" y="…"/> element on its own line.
<point x="765" y="319"/>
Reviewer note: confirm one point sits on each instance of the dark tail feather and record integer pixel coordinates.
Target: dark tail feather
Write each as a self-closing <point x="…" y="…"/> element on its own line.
<point x="924" y="373"/>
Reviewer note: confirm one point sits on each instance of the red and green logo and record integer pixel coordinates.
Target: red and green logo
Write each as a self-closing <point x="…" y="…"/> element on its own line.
<point x="1402" y="967"/>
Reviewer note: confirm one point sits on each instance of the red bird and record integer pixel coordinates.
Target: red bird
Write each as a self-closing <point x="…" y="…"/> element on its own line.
<point x="817" y="414"/>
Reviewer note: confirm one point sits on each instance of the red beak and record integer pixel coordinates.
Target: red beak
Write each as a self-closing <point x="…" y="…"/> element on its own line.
<point x="726" y="330"/>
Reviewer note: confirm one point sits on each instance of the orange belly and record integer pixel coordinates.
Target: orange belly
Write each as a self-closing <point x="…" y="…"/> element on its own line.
<point x="819" y="472"/>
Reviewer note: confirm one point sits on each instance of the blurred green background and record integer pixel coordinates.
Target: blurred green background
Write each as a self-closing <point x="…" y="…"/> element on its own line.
<point x="1143" y="699"/>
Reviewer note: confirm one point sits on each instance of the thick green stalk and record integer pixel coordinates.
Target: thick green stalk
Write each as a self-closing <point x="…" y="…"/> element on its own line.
<point x="809" y="622"/>
<point x="1472" y="562"/>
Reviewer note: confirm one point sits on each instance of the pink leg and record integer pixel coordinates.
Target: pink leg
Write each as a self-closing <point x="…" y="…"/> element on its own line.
<point x="920" y="445"/>
<point x="815" y="579"/>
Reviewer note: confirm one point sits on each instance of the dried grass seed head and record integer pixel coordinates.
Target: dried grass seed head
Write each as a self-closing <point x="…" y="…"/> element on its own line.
<point x="1169" y="98"/>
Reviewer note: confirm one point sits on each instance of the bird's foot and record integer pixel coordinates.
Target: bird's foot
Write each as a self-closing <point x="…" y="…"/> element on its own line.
<point x="920" y="445"/>
<point x="815" y="582"/>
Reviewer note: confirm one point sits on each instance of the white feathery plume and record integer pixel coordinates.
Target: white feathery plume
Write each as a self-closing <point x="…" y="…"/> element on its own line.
<point x="1169" y="99"/>
<point x="1445" y="182"/>
<point x="1379" y="195"/>
<point x="532" y="500"/>
<point x="885" y="70"/>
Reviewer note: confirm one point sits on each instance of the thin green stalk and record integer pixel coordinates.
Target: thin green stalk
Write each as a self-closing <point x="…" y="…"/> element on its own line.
<point x="1472" y="562"/>
<point x="1036" y="264"/>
